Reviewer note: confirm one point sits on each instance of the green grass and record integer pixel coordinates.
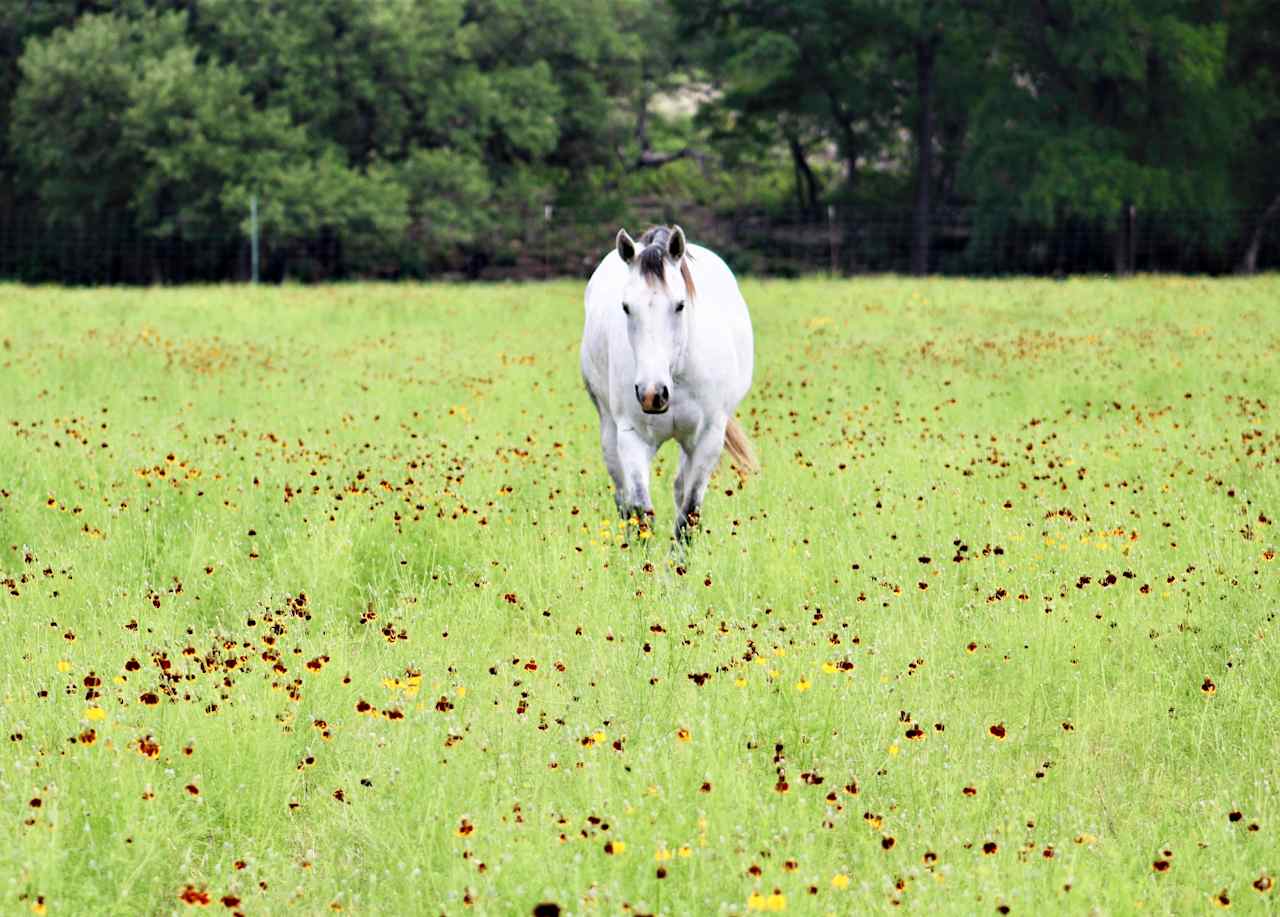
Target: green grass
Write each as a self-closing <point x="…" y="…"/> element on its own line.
<point x="1043" y="506"/>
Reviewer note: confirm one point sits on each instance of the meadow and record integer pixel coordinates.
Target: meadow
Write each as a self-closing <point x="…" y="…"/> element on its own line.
<point x="315" y="600"/>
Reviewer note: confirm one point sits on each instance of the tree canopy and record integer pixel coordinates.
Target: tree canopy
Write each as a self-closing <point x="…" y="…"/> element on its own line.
<point x="405" y="137"/>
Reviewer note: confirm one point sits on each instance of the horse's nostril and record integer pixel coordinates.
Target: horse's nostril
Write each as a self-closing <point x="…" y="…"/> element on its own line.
<point x="665" y="395"/>
<point x="639" y="396"/>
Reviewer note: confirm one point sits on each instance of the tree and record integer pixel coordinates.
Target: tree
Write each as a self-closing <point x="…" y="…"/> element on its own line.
<point x="1253" y="70"/>
<point x="1103" y="107"/>
<point x="858" y="76"/>
<point x="67" y="131"/>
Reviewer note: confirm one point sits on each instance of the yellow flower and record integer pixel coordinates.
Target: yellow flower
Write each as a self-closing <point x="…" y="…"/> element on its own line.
<point x="829" y="668"/>
<point x="840" y="881"/>
<point x="95" y="713"/>
<point x="803" y="685"/>
<point x="683" y="735"/>
<point x="893" y="750"/>
<point x="776" y="902"/>
<point x="662" y="855"/>
<point x="64" y="665"/>
<point x="598" y="736"/>
<point x="684" y="850"/>
<point x="756" y="902"/>
<point x="740" y="681"/>
<point x="462" y="691"/>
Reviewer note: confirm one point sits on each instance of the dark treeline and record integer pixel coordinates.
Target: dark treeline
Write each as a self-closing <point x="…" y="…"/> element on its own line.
<point x="401" y="138"/>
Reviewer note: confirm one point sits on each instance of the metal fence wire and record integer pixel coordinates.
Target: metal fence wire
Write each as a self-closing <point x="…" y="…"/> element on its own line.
<point x="564" y="243"/>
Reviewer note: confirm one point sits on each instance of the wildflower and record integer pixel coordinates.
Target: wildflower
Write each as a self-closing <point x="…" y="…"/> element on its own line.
<point x="840" y="881"/>
<point x="194" y="897"/>
<point x="95" y="713"/>
<point x="803" y="685"/>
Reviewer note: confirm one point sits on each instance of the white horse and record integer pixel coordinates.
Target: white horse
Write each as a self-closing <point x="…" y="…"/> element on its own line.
<point x="666" y="354"/>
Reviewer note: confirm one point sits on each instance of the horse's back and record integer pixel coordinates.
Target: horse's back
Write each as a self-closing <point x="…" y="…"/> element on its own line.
<point x="718" y="292"/>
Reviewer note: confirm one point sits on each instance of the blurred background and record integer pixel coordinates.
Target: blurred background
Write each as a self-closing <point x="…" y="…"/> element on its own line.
<point x="198" y="140"/>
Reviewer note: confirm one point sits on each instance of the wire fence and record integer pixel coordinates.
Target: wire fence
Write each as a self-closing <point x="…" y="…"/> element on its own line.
<point x="559" y="243"/>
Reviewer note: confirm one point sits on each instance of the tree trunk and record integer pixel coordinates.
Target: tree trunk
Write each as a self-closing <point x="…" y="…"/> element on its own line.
<point x="1249" y="261"/>
<point x="807" y="185"/>
<point x="847" y="141"/>
<point x="926" y="56"/>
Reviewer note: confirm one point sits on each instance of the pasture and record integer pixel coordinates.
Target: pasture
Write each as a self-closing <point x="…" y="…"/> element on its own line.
<point x="316" y="598"/>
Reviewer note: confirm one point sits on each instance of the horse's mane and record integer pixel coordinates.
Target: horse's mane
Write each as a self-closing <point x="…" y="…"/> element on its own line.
<point x="653" y="258"/>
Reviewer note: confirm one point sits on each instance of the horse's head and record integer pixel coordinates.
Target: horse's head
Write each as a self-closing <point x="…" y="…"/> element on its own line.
<point x="654" y="300"/>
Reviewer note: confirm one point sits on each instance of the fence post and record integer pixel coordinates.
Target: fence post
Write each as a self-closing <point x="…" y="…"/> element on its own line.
<point x="1131" y="236"/>
<point x="547" y="210"/>
<point x="832" y="242"/>
<point x="253" y="238"/>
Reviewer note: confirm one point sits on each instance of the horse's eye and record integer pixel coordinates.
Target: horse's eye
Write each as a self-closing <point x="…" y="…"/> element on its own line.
<point x="680" y="306"/>
<point x="626" y="308"/>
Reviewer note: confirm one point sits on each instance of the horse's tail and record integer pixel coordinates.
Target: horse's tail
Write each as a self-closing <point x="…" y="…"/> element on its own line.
<point x="740" y="448"/>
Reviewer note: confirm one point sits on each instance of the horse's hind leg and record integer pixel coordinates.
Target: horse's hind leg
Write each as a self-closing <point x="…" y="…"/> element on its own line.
<point x="696" y="465"/>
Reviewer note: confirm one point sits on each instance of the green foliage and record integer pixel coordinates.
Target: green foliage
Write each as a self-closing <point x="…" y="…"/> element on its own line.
<point x="203" y="146"/>
<point x="356" y="120"/>
<point x="410" y="136"/>
<point x="1109" y="103"/>
<point x="67" y="131"/>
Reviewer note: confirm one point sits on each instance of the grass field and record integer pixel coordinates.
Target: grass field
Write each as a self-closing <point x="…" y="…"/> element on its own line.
<point x="314" y="598"/>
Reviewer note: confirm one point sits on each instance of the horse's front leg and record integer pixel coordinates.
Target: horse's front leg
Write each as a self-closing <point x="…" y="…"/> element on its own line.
<point x="695" y="473"/>
<point x="634" y="455"/>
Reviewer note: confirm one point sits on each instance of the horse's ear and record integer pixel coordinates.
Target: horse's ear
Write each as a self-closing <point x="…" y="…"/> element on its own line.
<point x="626" y="247"/>
<point x="675" y="244"/>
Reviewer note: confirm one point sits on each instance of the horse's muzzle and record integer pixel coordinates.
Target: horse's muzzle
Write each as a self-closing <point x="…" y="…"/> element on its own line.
<point x="654" y="399"/>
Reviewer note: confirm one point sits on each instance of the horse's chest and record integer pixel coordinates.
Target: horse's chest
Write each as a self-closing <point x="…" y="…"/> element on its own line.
<point x="681" y="422"/>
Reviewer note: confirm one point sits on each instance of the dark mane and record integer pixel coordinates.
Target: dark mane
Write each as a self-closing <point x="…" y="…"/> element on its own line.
<point x="656" y="235"/>
<point x="653" y="261"/>
<point x="653" y="258"/>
